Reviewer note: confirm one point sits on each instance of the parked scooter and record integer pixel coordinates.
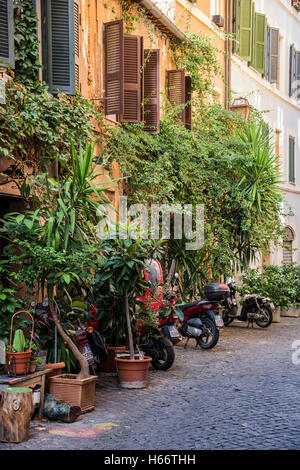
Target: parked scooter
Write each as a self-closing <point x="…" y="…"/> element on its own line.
<point x="254" y="308"/>
<point x="202" y="320"/>
<point x="90" y="342"/>
<point x="159" y="346"/>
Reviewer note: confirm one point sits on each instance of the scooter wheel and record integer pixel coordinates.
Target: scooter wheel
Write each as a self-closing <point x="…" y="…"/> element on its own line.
<point x="166" y="355"/>
<point x="209" y="339"/>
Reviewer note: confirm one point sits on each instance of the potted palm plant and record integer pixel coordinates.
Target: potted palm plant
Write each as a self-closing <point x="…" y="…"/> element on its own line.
<point x="124" y="267"/>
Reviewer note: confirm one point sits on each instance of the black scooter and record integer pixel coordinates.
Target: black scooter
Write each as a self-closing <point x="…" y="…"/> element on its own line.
<point x="254" y="308"/>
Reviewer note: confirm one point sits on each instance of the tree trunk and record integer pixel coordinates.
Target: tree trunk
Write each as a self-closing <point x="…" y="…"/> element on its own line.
<point x="58" y="410"/>
<point x="84" y="365"/>
<point x="131" y="348"/>
<point x="16" y="409"/>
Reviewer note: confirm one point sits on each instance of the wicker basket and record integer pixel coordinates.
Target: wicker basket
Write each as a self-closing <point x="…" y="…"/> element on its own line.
<point x="77" y="392"/>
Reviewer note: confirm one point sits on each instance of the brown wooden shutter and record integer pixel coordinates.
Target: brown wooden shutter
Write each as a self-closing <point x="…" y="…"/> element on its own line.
<point x="176" y="90"/>
<point x="132" y="79"/>
<point x="77" y="41"/>
<point x="188" y="108"/>
<point x="151" y="86"/>
<point x="114" y="67"/>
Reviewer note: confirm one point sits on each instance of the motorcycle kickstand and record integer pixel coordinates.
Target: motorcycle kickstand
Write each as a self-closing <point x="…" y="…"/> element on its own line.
<point x="185" y="346"/>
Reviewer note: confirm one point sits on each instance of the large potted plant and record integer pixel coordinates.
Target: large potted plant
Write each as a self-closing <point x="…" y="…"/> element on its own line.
<point x="124" y="268"/>
<point x="57" y="244"/>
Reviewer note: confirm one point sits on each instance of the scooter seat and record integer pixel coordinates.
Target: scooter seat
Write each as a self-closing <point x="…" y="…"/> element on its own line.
<point x="196" y="303"/>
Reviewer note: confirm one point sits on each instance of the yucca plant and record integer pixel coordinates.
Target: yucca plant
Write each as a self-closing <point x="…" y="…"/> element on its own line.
<point x="62" y="229"/>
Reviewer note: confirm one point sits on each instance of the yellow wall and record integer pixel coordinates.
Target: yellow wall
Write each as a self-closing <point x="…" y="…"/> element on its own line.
<point x="196" y="19"/>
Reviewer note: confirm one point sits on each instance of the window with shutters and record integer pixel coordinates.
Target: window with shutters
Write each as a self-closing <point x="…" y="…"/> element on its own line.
<point x="242" y="28"/>
<point x="114" y="67"/>
<point x="291" y="159"/>
<point x="151" y="90"/>
<point x="180" y="93"/>
<point x="272" y="55"/>
<point x="60" y="38"/>
<point x="294" y="74"/>
<point x="132" y="79"/>
<point x="287" y="251"/>
<point x="176" y="90"/>
<point x="259" y="39"/>
<point x="7" y="55"/>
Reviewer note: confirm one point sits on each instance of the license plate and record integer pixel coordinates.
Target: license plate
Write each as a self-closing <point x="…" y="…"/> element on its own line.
<point x="219" y="321"/>
<point x="174" y="333"/>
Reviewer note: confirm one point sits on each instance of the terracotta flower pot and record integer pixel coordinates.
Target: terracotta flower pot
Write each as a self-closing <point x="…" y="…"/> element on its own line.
<point x="133" y="373"/>
<point x="32" y="366"/>
<point x="77" y="392"/>
<point x="110" y="364"/>
<point x="18" y="363"/>
<point x="57" y="369"/>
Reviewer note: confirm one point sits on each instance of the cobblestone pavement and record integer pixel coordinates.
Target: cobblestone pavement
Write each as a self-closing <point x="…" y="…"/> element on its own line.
<point x="243" y="394"/>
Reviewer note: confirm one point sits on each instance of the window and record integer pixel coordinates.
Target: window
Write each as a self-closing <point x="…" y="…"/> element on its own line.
<point x="60" y="44"/>
<point x="272" y="55"/>
<point x="179" y="93"/>
<point x="287" y="253"/>
<point x="242" y="27"/>
<point x="132" y="78"/>
<point x="294" y="74"/>
<point x="7" y="55"/>
<point x="291" y="159"/>
<point x="259" y="40"/>
<point x="151" y="92"/>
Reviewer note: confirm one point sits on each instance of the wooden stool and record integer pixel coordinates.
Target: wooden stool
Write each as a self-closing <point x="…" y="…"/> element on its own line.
<point x="16" y="409"/>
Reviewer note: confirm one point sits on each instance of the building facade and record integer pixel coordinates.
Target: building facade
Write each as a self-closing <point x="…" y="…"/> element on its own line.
<point x="265" y="68"/>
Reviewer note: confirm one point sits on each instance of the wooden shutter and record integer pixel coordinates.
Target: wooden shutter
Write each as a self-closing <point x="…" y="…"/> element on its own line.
<point x="114" y="67"/>
<point x="235" y="26"/>
<point x="259" y="42"/>
<point x="188" y="108"/>
<point x="245" y="34"/>
<point x="151" y="87"/>
<point x="291" y="160"/>
<point x="77" y="42"/>
<point x="272" y="55"/>
<point x="297" y="76"/>
<point x="7" y="54"/>
<point x="132" y="79"/>
<point x="176" y="90"/>
<point x="292" y="71"/>
<point x="60" y="46"/>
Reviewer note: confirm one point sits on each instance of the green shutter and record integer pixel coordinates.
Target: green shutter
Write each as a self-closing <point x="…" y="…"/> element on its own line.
<point x="245" y="34"/>
<point x="259" y="42"/>
<point x="59" y="50"/>
<point x="291" y="160"/>
<point x="297" y="97"/>
<point x="7" y="43"/>
<point x="236" y="26"/>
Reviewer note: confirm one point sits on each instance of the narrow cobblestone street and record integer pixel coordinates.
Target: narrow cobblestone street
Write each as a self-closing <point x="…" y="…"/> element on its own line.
<point x="243" y="394"/>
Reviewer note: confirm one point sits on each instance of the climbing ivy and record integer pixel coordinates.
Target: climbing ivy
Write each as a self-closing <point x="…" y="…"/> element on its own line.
<point x="35" y="126"/>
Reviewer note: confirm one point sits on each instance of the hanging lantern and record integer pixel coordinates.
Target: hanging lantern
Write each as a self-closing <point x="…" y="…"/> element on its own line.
<point x="242" y="106"/>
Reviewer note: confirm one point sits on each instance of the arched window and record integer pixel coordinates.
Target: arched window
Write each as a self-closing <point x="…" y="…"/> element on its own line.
<point x="288" y="246"/>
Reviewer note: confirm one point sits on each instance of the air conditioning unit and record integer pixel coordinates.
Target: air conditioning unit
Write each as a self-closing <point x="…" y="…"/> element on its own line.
<point x="218" y="20"/>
